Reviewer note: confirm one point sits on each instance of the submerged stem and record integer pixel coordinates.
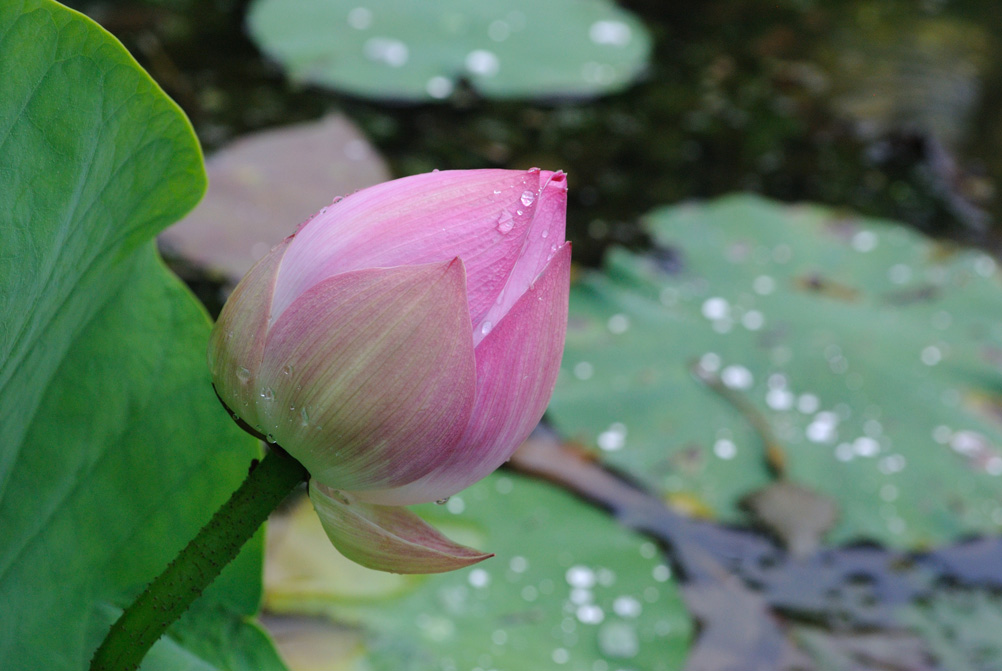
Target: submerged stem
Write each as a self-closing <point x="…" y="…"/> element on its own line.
<point x="198" y="564"/>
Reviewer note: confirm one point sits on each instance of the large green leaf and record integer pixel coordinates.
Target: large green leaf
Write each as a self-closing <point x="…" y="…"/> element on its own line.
<point x="115" y="451"/>
<point x="872" y="352"/>
<point x="405" y="50"/>
<point x="569" y="588"/>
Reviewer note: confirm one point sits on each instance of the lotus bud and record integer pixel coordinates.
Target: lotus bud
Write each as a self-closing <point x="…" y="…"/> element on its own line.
<point x="401" y="344"/>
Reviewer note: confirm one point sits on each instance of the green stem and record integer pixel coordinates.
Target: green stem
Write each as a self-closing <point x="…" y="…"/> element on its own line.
<point x="199" y="563"/>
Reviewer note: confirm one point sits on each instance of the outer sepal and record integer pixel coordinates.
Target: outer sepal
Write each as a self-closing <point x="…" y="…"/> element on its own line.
<point x="387" y="538"/>
<point x="236" y="344"/>
<point x="517" y="366"/>
<point x="369" y="377"/>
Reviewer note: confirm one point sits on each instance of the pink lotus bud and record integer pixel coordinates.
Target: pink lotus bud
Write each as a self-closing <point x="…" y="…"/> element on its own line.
<point x="401" y="344"/>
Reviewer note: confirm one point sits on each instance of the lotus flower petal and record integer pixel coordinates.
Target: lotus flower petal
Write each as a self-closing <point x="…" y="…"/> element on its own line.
<point x="481" y="216"/>
<point x="387" y="538"/>
<point x="237" y="342"/>
<point x="544" y="237"/>
<point x="401" y="345"/>
<point x="517" y="366"/>
<point x="380" y="365"/>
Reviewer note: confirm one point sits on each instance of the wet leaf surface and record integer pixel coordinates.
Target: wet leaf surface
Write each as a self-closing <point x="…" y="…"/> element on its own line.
<point x="863" y="346"/>
<point x="397" y="50"/>
<point x="568" y="588"/>
<point x="857" y="604"/>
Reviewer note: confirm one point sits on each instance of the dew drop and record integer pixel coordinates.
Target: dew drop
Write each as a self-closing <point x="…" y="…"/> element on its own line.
<point x="479" y="578"/>
<point x="613" y="33"/>
<point x="589" y="613"/>
<point x="518" y="564"/>
<point x="268" y="394"/>
<point x="486" y="328"/>
<point x="270" y="438"/>
<point x="864" y="241"/>
<point x="716" y="308"/>
<point x="737" y="377"/>
<point x="580" y="576"/>
<point x="360" y="18"/>
<point x="725" y="449"/>
<point x="482" y="62"/>
<point x="505" y="222"/>
<point x="626" y="606"/>
<point x="386" y="50"/>
<point x="618" y="323"/>
<point x="613" y="438"/>
<point x="439" y="87"/>
<point x="243" y="374"/>
<point x="618" y="639"/>
<point x="546" y="233"/>
<point x="527" y="198"/>
<point x="304" y="417"/>
<point x="583" y="370"/>
<point x="287" y="370"/>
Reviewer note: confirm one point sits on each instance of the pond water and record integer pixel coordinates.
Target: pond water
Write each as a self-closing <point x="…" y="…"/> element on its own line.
<point x="883" y="108"/>
<point x="887" y="108"/>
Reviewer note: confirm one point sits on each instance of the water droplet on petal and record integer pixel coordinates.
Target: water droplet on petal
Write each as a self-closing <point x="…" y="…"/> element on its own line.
<point x="304" y="417"/>
<point x="486" y="328"/>
<point x="505" y="222"/>
<point x="243" y="374"/>
<point x="287" y="370"/>
<point x="270" y="438"/>
<point x="527" y="198"/>
<point x="268" y="394"/>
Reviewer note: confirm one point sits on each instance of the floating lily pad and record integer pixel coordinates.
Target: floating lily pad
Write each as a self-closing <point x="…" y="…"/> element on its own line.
<point x="263" y="185"/>
<point x="405" y="50"/>
<point x="871" y="352"/>
<point x="568" y="588"/>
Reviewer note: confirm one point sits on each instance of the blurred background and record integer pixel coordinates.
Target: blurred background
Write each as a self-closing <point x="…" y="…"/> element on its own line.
<point x="784" y="349"/>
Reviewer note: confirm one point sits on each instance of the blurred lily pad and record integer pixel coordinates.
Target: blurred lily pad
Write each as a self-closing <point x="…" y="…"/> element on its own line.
<point x="872" y="352"/>
<point x="263" y="185"/>
<point x="415" y="51"/>
<point x="568" y="588"/>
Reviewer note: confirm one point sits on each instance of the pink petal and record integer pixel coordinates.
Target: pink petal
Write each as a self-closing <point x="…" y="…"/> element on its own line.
<point x="368" y="378"/>
<point x="387" y="538"/>
<point x="236" y="344"/>
<point x="477" y="215"/>
<point x="544" y="237"/>
<point x="517" y="365"/>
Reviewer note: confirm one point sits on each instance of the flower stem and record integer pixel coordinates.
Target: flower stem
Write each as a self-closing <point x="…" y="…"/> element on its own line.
<point x="198" y="564"/>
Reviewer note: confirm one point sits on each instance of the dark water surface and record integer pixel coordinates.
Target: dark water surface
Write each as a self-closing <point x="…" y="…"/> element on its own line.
<point x="884" y="107"/>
